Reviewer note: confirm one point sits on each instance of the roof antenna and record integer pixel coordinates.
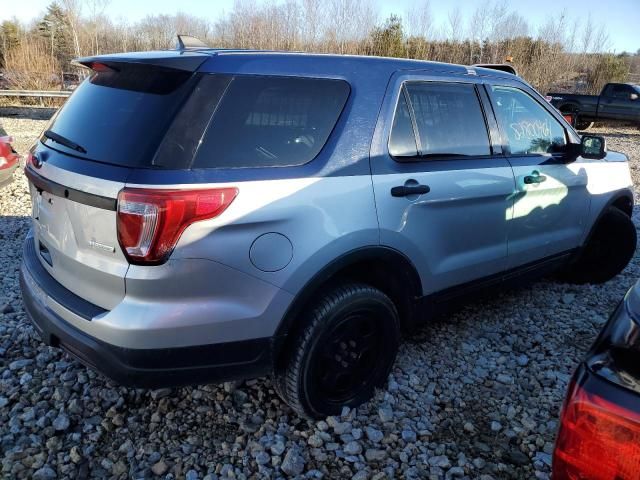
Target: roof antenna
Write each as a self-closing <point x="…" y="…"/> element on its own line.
<point x="186" y="42"/>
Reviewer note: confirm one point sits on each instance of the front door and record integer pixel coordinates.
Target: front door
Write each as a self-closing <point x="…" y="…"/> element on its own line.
<point x="551" y="201"/>
<point x="442" y="191"/>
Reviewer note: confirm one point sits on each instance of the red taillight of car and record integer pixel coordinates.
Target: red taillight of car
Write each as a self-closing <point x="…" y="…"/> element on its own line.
<point x="7" y="157"/>
<point x="150" y="222"/>
<point x="598" y="440"/>
<point x="29" y="160"/>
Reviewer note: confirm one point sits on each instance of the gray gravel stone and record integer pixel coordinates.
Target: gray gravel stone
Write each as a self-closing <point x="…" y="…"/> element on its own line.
<point x="374" y="434"/>
<point x="191" y="475"/>
<point x="277" y="448"/>
<point x="19" y="364"/>
<point x="441" y="461"/>
<point x="375" y="455"/>
<point x="293" y="463"/>
<point x="61" y="422"/>
<point x="159" y="468"/>
<point x="44" y="473"/>
<point x="262" y="458"/>
<point x="409" y="436"/>
<point x="353" y="448"/>
<point x="160" y="393"/>
<point x="385" y="414"/>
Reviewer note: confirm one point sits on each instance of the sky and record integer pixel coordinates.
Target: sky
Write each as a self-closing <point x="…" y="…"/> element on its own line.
<point x="622" y="17"/>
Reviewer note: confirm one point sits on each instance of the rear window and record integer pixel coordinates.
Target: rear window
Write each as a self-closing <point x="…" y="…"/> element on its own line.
<point x="120" y="115"/>
<point x="253" y="121"/>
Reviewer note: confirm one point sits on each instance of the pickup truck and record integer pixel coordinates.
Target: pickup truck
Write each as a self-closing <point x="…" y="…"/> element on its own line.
<point x="618" y="101"/>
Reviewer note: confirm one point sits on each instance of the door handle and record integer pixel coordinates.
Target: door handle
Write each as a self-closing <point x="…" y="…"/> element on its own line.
<point x="534" y="178"/>
<point x="406" y="190"/>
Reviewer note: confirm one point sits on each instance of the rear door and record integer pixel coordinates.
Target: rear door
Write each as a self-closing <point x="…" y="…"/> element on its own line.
<point x="551" y="201"/>
<point x="112" y="124"/>
<point x="442" y="189"/>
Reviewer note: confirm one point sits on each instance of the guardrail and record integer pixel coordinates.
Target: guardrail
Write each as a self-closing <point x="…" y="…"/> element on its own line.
<point x="35" y="93"/>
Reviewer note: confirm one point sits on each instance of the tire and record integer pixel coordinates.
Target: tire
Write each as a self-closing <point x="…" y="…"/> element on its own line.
<point x="607" y="252"/>
<point x="344" y="351"/>
<point x="583" y="124"/>
<point x="575" y="110"/>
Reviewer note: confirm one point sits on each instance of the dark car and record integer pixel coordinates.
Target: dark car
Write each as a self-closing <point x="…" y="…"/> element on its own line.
<point x="9" y="159"/>
<point x="618" y="102"/>
<point x="599" y="436"/>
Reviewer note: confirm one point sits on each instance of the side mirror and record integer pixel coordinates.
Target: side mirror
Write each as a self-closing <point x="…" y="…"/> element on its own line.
<point x="633" y="96"/>
<point x="593" y="146"/>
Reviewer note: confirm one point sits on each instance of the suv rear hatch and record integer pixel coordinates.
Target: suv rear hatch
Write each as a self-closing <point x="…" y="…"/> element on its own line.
<point x="112" y="123"/>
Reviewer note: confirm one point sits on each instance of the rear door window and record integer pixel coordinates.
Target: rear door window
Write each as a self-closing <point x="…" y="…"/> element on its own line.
<point x="449" y="119"/>
<point x="268" y="121"/>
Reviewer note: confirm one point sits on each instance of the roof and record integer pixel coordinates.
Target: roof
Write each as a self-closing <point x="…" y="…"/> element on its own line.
<point x="282" y="62"/>
<point x="266" y="61"/>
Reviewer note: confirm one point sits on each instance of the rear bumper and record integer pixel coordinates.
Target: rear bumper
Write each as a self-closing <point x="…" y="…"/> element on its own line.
<point x="144" y="368"/>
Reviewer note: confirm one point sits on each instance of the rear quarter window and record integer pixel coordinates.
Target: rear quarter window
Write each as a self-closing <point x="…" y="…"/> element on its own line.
<point x="263" y="121"/>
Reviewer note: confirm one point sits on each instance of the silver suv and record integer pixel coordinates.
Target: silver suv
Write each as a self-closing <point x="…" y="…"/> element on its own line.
<point x="204" y="215"/>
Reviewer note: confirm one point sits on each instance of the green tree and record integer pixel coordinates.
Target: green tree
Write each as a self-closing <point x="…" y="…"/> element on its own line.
<point x="9" y="38"/>
<point x="54" y="27"/>
<point x="388" y="41"/>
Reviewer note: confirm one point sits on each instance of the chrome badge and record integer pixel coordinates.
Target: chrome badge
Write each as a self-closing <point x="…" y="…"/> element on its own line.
<point x="101" y="246"/>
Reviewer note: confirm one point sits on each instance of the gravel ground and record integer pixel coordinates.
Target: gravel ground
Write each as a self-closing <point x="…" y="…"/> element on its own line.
<point x="475" y="395"/>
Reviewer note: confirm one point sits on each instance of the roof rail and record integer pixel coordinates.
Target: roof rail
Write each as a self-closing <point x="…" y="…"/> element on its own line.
<point x="186" y="42"/>
<point x="503" y="67"/>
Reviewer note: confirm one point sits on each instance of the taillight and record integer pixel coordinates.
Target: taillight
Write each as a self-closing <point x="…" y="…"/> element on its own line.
<point x="597" y="440"/>
<point x="8" y="157"/>
<point x="29" y="160"/>
<point x="150" y="222"/>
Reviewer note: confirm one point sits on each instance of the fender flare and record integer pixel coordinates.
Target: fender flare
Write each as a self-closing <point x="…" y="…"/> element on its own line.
<point x="625" y="194"/>
<point x="392" y="257"/>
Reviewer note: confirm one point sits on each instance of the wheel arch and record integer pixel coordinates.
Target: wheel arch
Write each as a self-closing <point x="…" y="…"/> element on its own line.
<point x="624" y="202"/>
<point x="622" y="199"/>
<point x="571" y="104"/>
<point x="381" y="267"/>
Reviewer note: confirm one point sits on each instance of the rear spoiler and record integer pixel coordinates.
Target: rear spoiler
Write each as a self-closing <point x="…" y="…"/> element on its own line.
<point x="185" y="60"/>
<point x="503" y="67"/>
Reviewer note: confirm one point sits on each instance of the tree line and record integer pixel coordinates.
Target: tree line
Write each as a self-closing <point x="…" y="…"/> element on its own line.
<point x="565" y="53"/>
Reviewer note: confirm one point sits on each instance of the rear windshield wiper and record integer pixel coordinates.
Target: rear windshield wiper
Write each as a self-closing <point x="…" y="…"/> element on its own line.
<point x="63" y="141"/>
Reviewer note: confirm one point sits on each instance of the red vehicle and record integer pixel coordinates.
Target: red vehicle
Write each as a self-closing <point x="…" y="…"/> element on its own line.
<point x="599" y="435"/>
<point x="9" y="160"/>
